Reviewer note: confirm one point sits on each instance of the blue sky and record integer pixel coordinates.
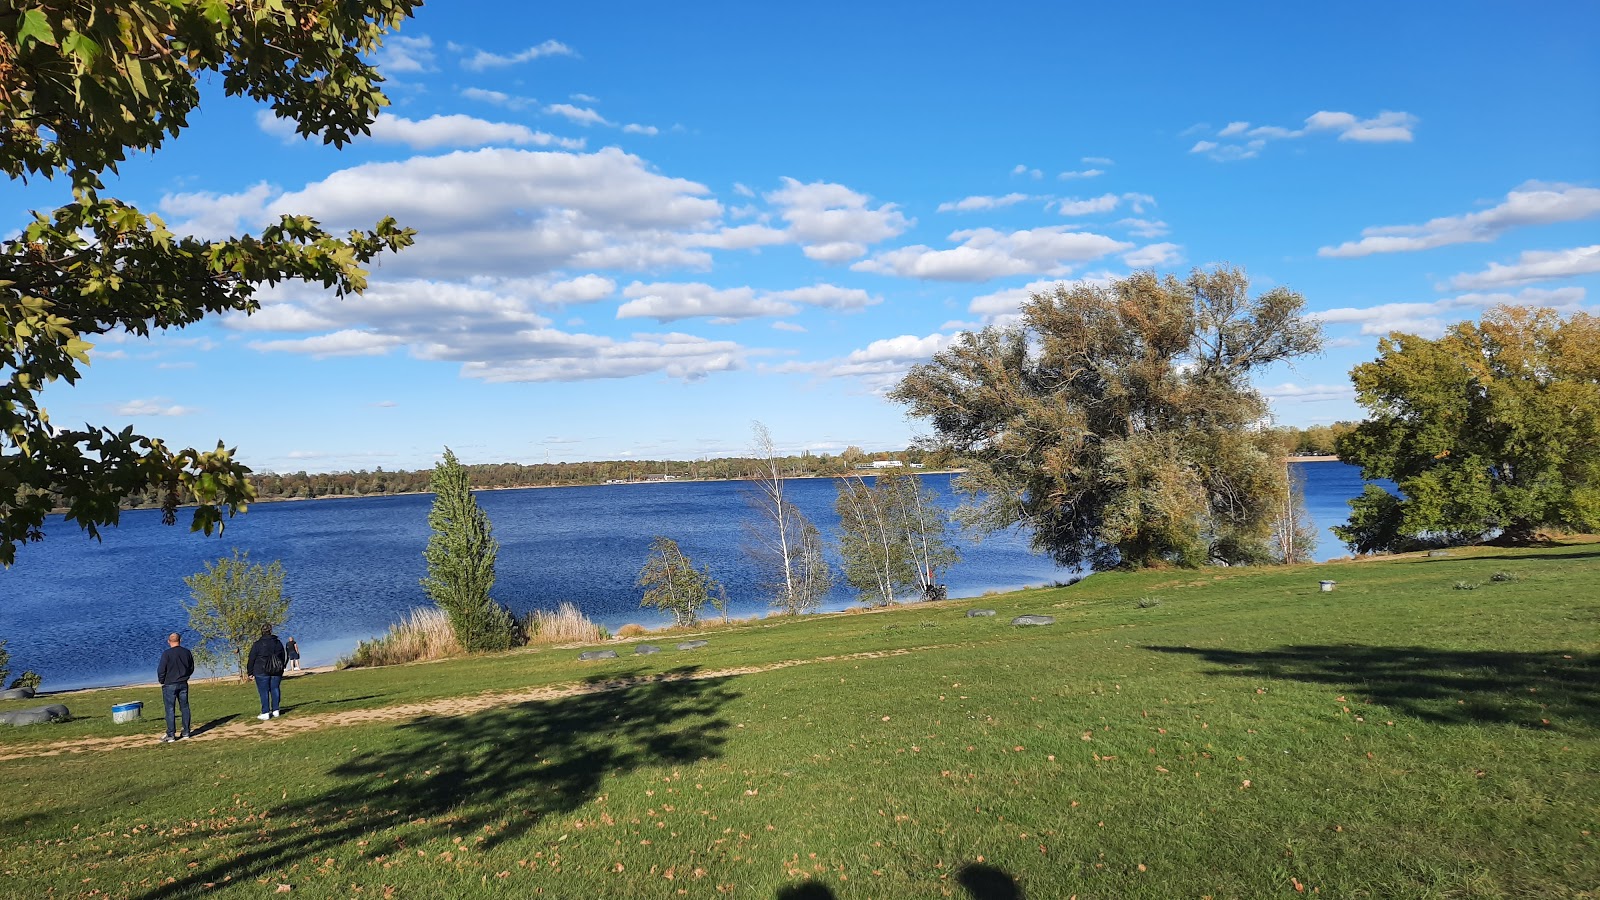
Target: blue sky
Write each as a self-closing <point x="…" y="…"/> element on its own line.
<point x="643" y="226"/>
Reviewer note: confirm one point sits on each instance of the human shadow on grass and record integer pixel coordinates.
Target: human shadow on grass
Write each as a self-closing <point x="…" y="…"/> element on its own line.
<point x="493" y="775"/>
<point x="1452" y="687"/>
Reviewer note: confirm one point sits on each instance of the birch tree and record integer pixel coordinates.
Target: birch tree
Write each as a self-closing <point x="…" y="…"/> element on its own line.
<point x="785" y="546"/>
<point x="893" y="537"/>
<point x="672" y="584"/>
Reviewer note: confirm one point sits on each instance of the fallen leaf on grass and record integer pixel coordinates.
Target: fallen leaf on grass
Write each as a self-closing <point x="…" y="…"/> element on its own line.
<point x="283" y="889"/>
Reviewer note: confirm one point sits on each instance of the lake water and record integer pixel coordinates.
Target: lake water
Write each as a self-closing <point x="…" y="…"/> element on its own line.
<point x="84" y="614"/>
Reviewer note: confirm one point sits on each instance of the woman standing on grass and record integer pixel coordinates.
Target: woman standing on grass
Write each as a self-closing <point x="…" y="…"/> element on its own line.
<point x="267" y="659"/>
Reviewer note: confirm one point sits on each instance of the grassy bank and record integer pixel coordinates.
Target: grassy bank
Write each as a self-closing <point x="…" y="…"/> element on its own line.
<point x="1179" y="734"/>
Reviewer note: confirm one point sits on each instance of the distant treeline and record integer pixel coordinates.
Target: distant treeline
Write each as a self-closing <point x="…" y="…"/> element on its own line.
<point x="1316" y="440"/>
<point x="302" y="485"/>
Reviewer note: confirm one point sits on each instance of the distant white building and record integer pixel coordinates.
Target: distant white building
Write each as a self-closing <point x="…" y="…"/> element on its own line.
<point x="887" y="464"/>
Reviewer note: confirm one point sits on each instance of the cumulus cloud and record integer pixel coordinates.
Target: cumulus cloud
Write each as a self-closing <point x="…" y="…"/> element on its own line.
<point x="495" y="210"/>
<point x="350" y="342"/>
<point x="483" y="59"/>
<point x="880" y="364"/>
<point x="832" y="222"/>
<point x="404" y="55"/>
<point x="155" y="406"/>
<point x="671" y="302"/>
<point x="1081" y="173"/>
<point x="1288" y="392"/>
<point x="742" y="237"/>
<point x="1241" y="140"/>
<point x="985" y="253"/>
<point x="1430" y="318"/>
<point x="667" y="302"/>
<point x="498" y="98"/>
<point x="635" y="128"/>
<point x="1531" y="204"/>
<point x="1153" y="255"/>
<point x="1149" y="228"/>
<point x="1073" y="206"/>
<point x="1098" y="161"/>
<point x="1533" y="265"/>
<point x="1008" y="302"/>
<point x="549" y="355"/>
<point x="979" y="203"/>
<point x="579" y="114"/>
<point x="460" y="131"/>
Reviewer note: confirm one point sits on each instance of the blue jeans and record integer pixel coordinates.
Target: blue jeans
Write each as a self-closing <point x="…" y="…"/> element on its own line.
<point x="176" y="695"/>
<point x="267" y="686"/>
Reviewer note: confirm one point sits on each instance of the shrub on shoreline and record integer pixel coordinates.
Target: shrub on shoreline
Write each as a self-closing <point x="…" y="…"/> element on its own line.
<point x="564" y="626"/>
<point x="425" y="635"/>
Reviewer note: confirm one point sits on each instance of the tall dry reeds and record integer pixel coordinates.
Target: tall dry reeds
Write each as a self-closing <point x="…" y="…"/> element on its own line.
<point x="425" y="635"/>
<point x="564" y="626"/>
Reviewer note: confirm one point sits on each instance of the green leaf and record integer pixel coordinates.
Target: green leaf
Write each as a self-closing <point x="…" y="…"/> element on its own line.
<point x="35" y="26"/>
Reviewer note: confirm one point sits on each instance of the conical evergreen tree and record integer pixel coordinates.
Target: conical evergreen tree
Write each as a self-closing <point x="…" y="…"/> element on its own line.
<point x="460" y="557"/>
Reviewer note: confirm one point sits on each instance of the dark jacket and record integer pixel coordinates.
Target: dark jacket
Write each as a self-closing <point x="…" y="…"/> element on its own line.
<point x="176" y="665"/>
<point x="267" y="656"/>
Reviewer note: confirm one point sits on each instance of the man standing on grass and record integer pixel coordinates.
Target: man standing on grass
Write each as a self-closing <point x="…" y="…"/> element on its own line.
<point x="176" y="665"/>
<point x="267" y="660"/>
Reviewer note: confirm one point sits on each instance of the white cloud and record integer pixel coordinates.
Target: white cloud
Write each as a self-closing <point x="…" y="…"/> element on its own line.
<point x="1534" y="265"/>
<point x="671" y="302"/>
<point x="832" y="222"/>
<point x="985" y="253"/>
<point x="635" y="128"/>
<point x="502" y="210"/>
<point x="789" y="326"/>
<point x="485" y="60"/>
<point x="667" y="302"/>
<point x="742" y="237"/>
<point x="1238" y="140"/>
<point x="1430" y="318"/>
<point x="1531" y="204"/>
<point x="340" y="343"/>
<point x="1072" y="206"/>
<point x="212" y="215"/>
<point x="977" y="203"/>
<point x="829" y="296"/>
<point x="579" y="114"/>
<point x="460" y="131"/>
<point x="547" y="355"/>
<point x="1289" y="392"/>
<point x="1098" y="161"/>
<point x="404" y="55"/>
<point x="1008" y="302"/>
<point x="1154" y="255"/>
<point x="155" y="406"/>
<point x="1020" y="169"/>
<point x="1082" y="173"/>
<point x="385" y="404"/>
<point x="498" y="98"/>
<point x="1144" y="227"/>
<point x="880" y="364"/>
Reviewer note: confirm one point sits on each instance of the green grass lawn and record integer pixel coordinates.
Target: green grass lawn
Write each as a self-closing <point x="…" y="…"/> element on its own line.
<point x="1246" y="736"/>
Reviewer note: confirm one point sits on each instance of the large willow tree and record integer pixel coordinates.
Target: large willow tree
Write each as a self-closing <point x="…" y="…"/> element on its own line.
<point x="1491" y="430"/>
<point x="84" y="83"/>
<point x="1118" y="422"/>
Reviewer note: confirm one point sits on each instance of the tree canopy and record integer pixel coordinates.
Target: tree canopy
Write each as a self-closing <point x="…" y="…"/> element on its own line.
<point x="1491" y="430"/>
<point x="83" y="83"/>
<point x="1118" y="421"/>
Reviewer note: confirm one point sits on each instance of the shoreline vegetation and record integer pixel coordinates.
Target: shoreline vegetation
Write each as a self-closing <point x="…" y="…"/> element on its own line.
<point x="1409" y="747"/>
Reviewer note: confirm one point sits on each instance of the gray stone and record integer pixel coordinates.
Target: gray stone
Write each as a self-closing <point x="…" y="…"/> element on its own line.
<point x="646" y="650"/>
<point x="591" y="655"/>
<point x="692" y="645"/>
<point x="17" y="694"/>
<point x="1034" y="620"/>
<point x="39" y="715"/>
<point x="975" y="613"/>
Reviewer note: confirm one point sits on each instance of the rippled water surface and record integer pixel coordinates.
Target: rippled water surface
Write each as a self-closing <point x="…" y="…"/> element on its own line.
<point x="84" y="613"/>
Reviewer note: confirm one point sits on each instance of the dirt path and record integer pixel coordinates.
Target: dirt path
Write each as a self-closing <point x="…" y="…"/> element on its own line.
<point x="443" y="706"/>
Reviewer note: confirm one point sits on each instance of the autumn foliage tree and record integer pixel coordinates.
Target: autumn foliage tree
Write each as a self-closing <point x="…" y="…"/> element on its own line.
<point x="1118" y="422"/>
<point x="84" y="83"/>
<point x="1492" y="430"/>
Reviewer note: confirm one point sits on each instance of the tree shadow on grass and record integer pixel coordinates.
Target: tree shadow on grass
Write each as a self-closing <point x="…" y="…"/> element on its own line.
<point x="1451" y="687"/>
<point x="493" y="775"/>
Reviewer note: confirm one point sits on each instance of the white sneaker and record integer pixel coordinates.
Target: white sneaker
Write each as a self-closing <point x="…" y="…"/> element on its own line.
<point x="264" y="716"/>
<point x="274" y="714"/>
